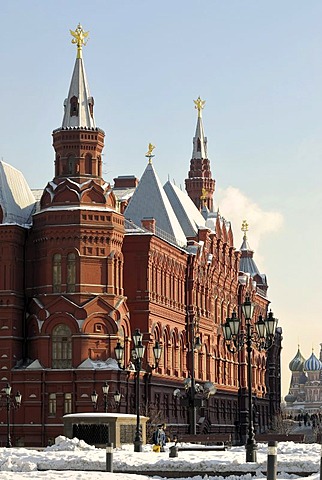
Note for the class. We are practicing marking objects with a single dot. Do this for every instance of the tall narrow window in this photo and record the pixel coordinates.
(57, 273)
(71, 164)
(71, 272)
(52, 404)
(74, 106)
(62, 347)
(88, 164)
(68, 403)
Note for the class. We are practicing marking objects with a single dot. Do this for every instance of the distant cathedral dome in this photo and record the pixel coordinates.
(289, 398)
(312, 364)
(296, 365)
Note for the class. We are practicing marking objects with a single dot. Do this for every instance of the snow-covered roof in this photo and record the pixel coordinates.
(16, 199)
(186, 211)
(124, 193)
(109, 364)
(150, 201)
(101, 415)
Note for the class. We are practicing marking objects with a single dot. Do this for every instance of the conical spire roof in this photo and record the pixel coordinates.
(150, 201)
(199, 150)
(247, 263)
(79, 104)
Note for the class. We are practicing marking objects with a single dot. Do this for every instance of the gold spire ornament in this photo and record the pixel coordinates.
(203, 196)
(199, 105)
(79, 36)
(244, 228)
(149, 154)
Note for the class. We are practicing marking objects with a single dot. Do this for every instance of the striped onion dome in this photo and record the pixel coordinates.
(312, 364)
(296, 365)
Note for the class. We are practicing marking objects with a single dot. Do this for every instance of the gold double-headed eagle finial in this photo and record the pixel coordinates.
(199, 105)
(149, 153)
(79, 36)
(203, 196)
(244, 228)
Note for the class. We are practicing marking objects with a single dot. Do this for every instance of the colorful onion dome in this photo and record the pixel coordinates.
(312, 364)
(296, 365)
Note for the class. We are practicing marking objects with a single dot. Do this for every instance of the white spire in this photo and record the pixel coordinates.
(79, 104)
(199, 140)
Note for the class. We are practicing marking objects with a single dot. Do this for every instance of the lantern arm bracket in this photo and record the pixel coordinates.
(238, 341)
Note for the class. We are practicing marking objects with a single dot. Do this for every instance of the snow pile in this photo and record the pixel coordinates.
(69, 444)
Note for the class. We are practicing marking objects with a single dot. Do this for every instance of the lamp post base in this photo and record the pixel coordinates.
(138, 445)
(251, 452)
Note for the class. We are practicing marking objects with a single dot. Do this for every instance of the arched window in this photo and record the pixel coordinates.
(57, 273)
(71, 272)
(62, 347)
(74, 106)
(88, 164)
(71, 164)
(68, 403)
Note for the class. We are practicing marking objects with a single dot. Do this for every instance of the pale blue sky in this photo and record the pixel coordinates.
(258, 65)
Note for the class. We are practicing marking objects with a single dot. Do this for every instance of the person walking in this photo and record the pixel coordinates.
(159, 437)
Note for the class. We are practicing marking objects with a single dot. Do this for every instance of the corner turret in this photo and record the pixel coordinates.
(78, 143)
(247, 262)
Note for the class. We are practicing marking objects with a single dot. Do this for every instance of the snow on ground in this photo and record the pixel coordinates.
(73, 459)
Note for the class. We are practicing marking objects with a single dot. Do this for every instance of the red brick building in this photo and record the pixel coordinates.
(88, 263)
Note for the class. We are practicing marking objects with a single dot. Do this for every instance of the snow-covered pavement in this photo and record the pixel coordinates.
(73, 459)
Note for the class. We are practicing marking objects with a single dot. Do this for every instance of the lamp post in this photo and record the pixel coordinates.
(105, 389)
(262, 336)
(10, 402)
(137, 357)
(194, 399)
(194, 345)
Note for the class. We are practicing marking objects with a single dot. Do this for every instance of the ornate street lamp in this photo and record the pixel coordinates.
(117, 398)
(94, 398)
(194, 400)
(262, 336)
(195, 345)
(137, 357)
(14, 403)
(105, 389)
